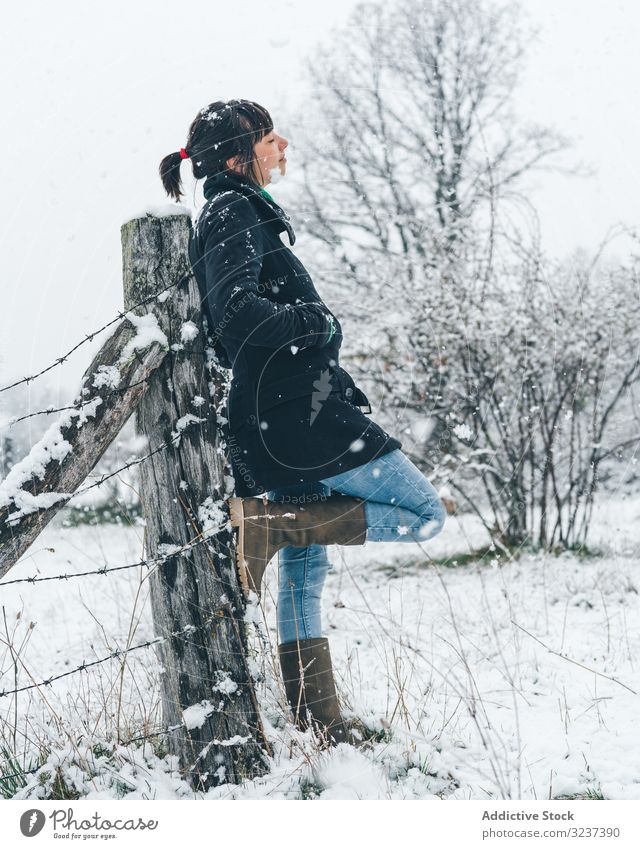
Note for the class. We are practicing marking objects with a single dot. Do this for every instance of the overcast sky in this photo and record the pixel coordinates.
(94, 100)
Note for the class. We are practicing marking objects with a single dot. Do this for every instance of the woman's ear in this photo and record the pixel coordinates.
(231, 163)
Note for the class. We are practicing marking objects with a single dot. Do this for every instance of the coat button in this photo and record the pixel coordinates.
(252, 419)
(348, 392)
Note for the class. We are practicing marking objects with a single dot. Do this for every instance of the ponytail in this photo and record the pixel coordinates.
(170, 175)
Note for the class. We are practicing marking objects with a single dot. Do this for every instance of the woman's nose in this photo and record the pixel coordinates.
(283, 142)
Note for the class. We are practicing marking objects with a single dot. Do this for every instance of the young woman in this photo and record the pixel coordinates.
(310, 468)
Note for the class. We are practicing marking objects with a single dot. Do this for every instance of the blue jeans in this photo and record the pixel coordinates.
(401, 505)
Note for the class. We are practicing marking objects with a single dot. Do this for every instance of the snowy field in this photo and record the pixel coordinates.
(510, 679)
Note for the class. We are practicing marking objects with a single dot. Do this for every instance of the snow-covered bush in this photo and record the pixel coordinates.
(528, 377)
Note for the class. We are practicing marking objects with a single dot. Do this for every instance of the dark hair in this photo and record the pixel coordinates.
(219, 131)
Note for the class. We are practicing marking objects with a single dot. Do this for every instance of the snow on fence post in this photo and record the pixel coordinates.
(208, 697)
(41, 484)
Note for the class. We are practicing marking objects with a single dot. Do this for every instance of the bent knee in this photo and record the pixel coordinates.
(434, 519)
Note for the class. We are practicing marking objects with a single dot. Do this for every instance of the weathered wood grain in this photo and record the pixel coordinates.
(182, 491)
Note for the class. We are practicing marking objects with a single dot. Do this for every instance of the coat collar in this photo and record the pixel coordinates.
(226, 180)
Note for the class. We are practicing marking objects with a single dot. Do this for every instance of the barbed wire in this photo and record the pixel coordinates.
(34, 580)
(77, 406)
(150, 561)
(83, 667)
(188, 630)
(104, 477)
(102, 394)
(107, 475)
(90, 336)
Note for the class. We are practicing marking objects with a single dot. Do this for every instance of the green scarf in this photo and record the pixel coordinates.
(265, 192)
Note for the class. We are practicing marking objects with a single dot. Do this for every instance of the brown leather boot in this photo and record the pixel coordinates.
(264, 527)
(311, 691)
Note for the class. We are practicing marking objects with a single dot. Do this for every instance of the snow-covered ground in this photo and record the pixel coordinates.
(511, 679)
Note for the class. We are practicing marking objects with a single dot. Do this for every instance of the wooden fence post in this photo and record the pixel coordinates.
(207, 691)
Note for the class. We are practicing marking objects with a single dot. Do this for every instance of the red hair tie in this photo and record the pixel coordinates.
(183, 153)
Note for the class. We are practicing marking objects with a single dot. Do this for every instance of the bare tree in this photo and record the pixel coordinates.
(414, 114)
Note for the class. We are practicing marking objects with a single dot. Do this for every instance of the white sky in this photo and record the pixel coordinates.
(95, 101)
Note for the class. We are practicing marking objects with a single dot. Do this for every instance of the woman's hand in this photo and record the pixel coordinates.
(330, 329)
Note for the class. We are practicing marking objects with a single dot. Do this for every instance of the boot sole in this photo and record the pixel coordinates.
(236, 512)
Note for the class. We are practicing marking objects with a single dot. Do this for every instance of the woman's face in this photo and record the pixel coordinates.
(269, 154)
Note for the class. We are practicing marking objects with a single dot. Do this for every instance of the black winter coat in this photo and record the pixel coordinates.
(293, 413)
